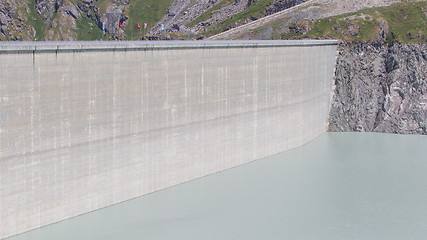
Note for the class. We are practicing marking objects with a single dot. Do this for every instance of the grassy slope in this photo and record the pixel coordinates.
(35, 20)
(206, 15)
(87, 30)
(144, 11)
(257, 10)
(139, 11)
(405, 20)
(275, 26)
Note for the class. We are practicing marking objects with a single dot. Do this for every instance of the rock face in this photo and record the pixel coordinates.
(183, 12)
(282, 5)
(13, 18)
(58, 17)
(380, 88)
(112, 17)
(64, 22)
(47, 8)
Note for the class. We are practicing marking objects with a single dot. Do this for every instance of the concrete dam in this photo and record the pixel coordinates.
(84, 125)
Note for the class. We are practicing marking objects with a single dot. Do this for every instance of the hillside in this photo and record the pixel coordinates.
(399, 22)
(349, 20)
(85, 19)
(209, 17)
(77, 19)
(362, 20)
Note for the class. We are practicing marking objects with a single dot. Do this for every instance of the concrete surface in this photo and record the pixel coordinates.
(87, 125)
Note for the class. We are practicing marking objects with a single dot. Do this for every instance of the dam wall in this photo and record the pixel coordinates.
(85, 125)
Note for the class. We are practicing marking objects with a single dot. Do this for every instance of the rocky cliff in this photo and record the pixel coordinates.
(380, 88)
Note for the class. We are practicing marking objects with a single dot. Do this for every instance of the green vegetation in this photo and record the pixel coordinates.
(206, 15)
(277, 28)
(400, 22)
(102, 5)
(270, 30)
(308, 6)
(256, 10)
(88, 30)
(404, 22)
(407, 20)
(35, 20)
(177, 36)
(144, 11)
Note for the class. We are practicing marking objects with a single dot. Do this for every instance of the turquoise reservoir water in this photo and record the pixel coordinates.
(339, 186)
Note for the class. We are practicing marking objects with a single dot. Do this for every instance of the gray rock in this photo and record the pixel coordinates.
(46, 8)
(280, 5)
(388, 96)
(122, 2)
(111, 17)
(391, 64)
(91, 12)
(89, 1)
(3, 19)
(71, 10)
(377, 66)
(3, 30)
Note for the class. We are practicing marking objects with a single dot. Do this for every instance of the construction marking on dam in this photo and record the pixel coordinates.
(85, 125)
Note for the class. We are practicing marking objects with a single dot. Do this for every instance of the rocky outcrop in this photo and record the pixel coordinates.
(282, 5)
(64, 23)
(183, 12)
(380, 88)
(309, 10)
(47, 8)
(92, 11)
(59, 18)
(7, 10)
(13, 21)
(110, 18)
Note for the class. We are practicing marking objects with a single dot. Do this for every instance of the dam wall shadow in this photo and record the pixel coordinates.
(86, 125)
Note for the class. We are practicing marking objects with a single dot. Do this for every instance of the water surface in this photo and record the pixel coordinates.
(339, 186)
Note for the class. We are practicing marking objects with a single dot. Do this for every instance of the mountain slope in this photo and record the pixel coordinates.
(293, 24)
(216, 19)
(208, 17)
(86, 19)
(401, 22)
(77, 19)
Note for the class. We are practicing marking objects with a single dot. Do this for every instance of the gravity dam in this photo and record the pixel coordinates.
(85, 125)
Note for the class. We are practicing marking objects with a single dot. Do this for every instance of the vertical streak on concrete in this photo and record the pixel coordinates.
(86, 126)
(255, 103)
